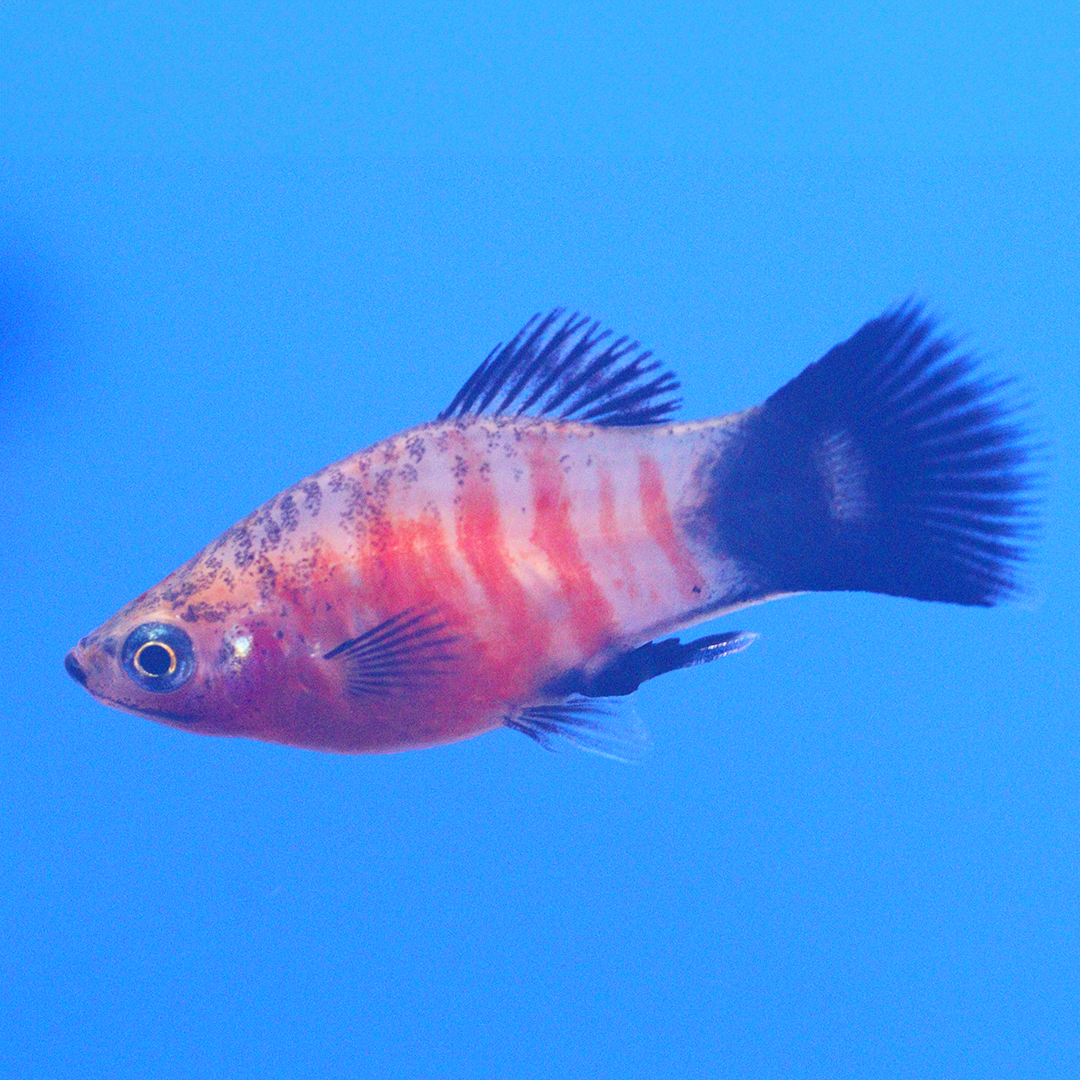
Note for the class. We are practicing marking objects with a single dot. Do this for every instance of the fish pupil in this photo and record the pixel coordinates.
(156, 659)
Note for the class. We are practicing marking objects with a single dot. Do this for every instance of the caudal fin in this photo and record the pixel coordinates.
(888, 466)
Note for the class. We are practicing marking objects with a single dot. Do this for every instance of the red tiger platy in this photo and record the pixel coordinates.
(515, 561)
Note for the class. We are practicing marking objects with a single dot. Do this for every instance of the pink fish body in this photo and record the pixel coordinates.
(514, 562)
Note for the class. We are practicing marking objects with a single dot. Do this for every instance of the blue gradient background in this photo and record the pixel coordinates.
(239, 242)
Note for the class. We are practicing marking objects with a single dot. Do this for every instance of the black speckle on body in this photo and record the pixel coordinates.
(416, 447)
(271, 530)
(290, 513)
(206, 612)
(178, 594)
(267, 578)
(272, 534)
(243, 556)
(356, 500)
(312, 497)
(382, 483)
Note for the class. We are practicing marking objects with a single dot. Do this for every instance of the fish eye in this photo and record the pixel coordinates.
(159, 657)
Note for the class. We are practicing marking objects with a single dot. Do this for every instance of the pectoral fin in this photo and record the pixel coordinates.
(397, 656)
(609, 728)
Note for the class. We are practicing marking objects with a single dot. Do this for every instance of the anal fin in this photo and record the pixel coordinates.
(626, 672)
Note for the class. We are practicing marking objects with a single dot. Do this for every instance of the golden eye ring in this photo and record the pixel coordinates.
(149, 662)
(158, 657)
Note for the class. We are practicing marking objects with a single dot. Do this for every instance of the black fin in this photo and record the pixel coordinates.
(627, 671)
(887, 466)
(557, 372)
(609, 728)
(398, 655)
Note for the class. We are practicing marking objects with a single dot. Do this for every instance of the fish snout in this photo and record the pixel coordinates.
(74, 668)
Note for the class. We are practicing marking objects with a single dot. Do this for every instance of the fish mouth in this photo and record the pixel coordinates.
(163, 714)
(152, 714)
(74, 668)
(79, 674)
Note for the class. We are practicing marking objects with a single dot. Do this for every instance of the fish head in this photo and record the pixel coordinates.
(151, 665)
(217, 657)
(206, 676)
(221, 662)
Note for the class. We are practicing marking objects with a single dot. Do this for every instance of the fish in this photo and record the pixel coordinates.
(528, 559)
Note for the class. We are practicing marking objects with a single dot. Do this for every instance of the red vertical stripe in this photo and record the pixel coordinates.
(482, 541)
(658, 522)
(591, 614)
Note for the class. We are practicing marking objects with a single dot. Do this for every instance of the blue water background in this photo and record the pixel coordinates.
(240, 242)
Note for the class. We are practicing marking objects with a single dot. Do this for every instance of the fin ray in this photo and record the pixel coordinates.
(891, 465)
(400, 654)
(601, 726)
(552, 370)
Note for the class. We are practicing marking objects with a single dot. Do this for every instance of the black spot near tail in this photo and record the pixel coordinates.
(888, 466)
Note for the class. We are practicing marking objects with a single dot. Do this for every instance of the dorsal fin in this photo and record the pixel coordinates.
(558, 371)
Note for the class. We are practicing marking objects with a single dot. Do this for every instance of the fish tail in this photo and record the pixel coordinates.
(888, 466)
